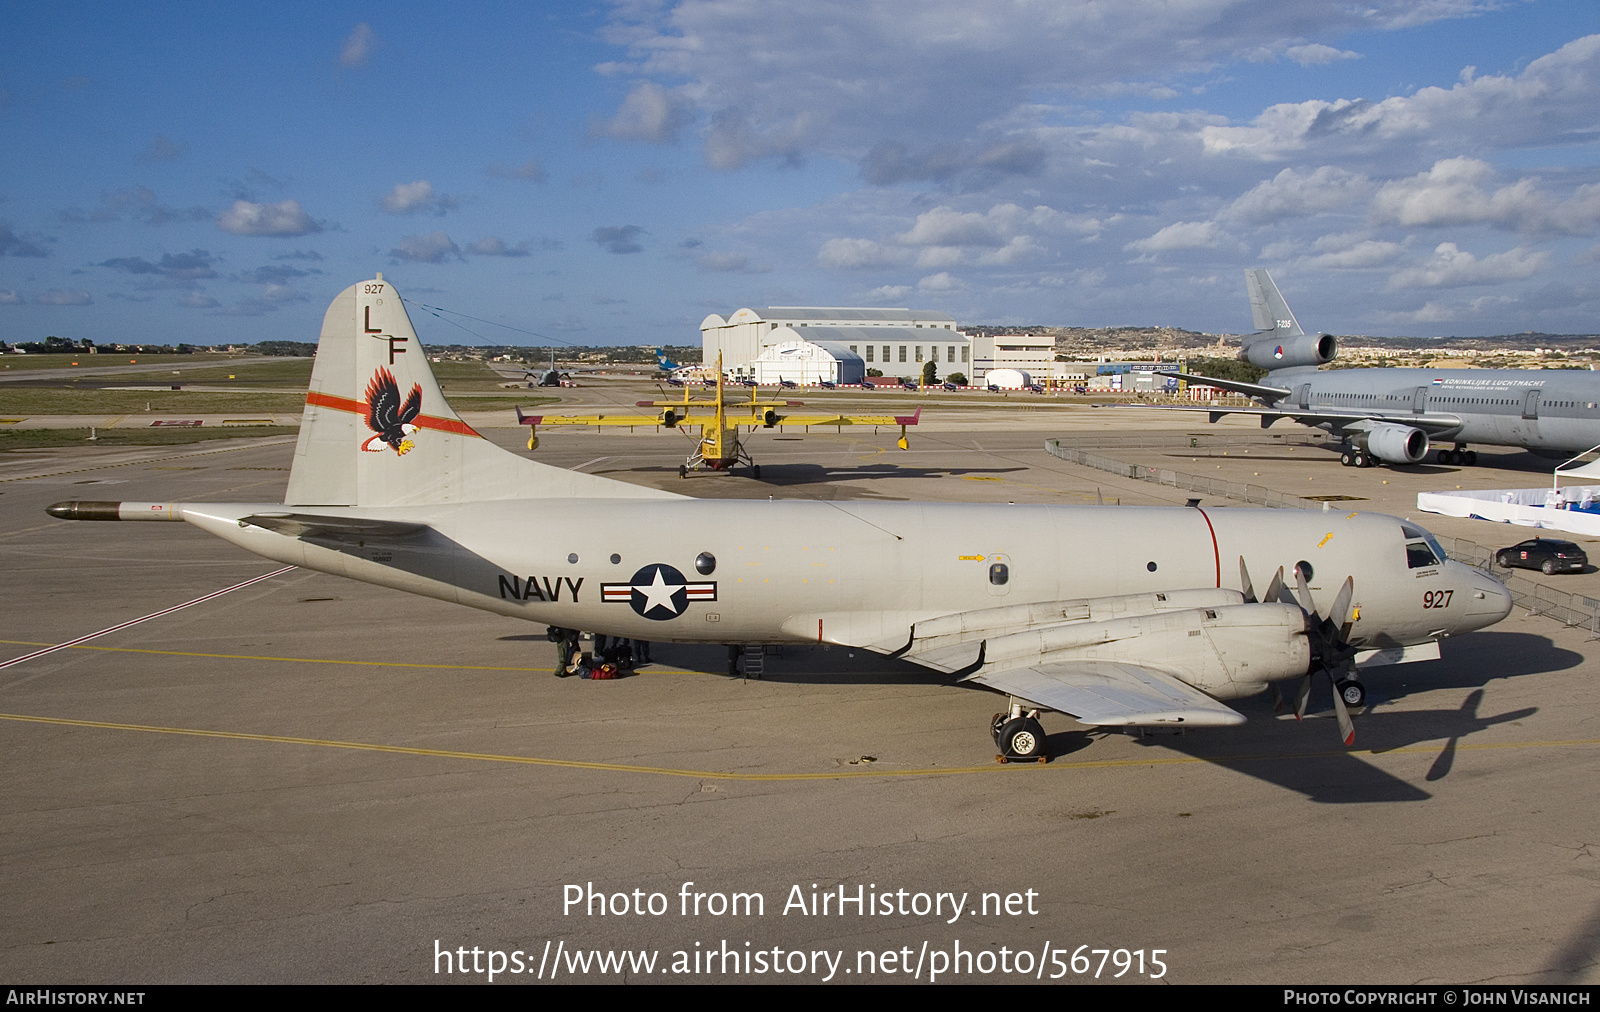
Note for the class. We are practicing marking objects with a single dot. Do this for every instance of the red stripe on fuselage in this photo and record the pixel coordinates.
(455, 425)
(1216, 553)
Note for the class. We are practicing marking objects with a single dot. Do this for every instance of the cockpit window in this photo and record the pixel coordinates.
(1420, 555)
(1422, 548)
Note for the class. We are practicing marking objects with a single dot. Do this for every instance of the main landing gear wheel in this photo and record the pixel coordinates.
(1471, 458)
(683, 470)
(1347, 458)
(1021, 739)
(1448, 458)
(755, 471)
(1352, 692)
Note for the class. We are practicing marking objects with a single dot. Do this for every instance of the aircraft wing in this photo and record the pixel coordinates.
(595, 419)
(1132, 653)
(1431, 423)
(850, 419)
(1112, 693)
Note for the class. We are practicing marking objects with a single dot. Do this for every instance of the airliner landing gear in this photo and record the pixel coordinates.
(1460, 455)
(1019, 736)
(1355, 458)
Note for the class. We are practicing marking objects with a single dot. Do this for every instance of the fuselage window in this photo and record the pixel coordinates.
(999, 574)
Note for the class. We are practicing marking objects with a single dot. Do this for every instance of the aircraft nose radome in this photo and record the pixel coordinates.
(1489, 601)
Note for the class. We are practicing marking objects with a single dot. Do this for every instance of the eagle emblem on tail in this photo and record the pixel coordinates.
(386, 416)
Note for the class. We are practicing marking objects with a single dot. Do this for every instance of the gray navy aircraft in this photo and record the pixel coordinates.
(390, 487)
(1393, 416)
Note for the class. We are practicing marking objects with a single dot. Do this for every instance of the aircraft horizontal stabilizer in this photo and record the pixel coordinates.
(1112, 694)
(1267, 393)
(300, 524)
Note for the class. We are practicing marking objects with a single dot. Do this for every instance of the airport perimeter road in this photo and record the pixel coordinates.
(312, 780)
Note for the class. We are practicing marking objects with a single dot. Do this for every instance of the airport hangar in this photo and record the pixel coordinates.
(895, 341)
(765, 345)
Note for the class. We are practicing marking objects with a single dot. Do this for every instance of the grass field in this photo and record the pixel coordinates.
(24, 401)
(8, 362)
(33, 439)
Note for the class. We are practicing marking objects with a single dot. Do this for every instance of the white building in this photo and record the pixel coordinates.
(897, 342)
(808, 363)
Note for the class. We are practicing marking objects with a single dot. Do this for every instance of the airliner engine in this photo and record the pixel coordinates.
(1396, 444)
(1291, 352)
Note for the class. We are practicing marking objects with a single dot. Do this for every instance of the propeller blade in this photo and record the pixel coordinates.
(1339, 614)
(1303, 697)
(1244, 583)
(1277, 698)
(1303, 591)
(1275, 588)
(1347, 730)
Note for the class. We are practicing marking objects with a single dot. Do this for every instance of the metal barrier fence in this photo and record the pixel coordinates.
(1538, 598)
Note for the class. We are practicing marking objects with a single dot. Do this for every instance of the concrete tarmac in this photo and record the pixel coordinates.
(313, 780)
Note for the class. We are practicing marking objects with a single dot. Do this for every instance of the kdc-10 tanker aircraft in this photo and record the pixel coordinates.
(1393, 415)
(390, 487)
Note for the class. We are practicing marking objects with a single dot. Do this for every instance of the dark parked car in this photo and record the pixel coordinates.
(951, 386)
(1544, 554)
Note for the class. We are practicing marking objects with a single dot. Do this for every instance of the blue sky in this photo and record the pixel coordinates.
(611, 173)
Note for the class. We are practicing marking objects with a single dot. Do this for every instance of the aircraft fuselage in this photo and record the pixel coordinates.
(1555, 409)
(860, 574)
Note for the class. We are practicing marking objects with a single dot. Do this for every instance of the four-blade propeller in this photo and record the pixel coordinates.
(1331, 652)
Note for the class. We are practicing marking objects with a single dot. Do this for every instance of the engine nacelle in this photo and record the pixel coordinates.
(1229, 652)
(1291, 352)
(1395, 444)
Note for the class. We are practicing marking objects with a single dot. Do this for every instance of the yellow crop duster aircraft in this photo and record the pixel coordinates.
(720, 448)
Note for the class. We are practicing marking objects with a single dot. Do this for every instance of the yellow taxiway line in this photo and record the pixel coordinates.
(298, 660)
(1430, 749)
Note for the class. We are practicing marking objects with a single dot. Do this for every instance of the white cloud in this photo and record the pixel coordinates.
(1292, 194)
(1365, 254)
(283, 293)
(941, 282)
(283, 218)
(1316, 54)
(1177, 236)
(841, 78)
(358, 47)
(856, 254)
(430, 248)
(1551, 101)
(197, 300)
(946, 237)
(412, 198)
(888, 293)
(9, 298)
(1452, 192)
(1452, 267)
(650, 113)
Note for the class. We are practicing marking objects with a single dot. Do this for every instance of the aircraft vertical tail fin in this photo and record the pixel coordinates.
(1272, 315)
(377, 431)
